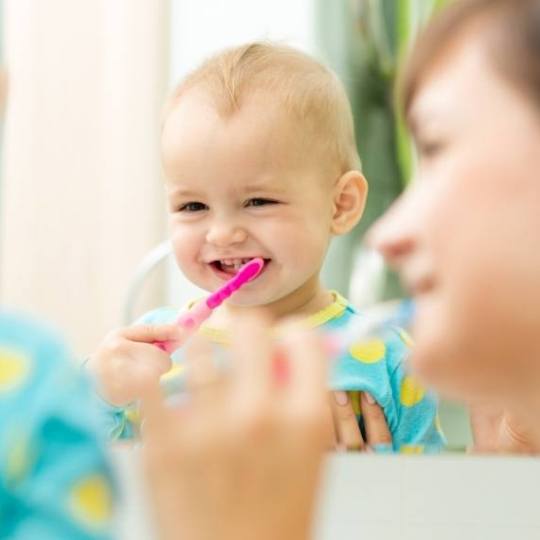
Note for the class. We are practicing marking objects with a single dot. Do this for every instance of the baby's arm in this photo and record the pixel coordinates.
(418, 429)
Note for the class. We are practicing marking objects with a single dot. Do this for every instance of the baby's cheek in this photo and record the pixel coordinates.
(300, 250)
(186, 248)
(315, 243)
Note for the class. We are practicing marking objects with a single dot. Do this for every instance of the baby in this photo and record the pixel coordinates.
(260, 160)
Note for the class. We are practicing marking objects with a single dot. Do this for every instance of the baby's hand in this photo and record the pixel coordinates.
(127, 360)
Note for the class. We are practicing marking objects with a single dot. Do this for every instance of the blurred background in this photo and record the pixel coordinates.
(81, 198)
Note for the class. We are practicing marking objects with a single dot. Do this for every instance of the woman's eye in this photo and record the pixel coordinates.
(193, 207)
(429, 149)
(260, 202)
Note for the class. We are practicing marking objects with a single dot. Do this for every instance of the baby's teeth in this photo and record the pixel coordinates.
(235, 263)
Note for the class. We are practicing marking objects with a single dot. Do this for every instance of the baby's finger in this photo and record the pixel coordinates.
(149, 358)
(150, 333)
(377, 431)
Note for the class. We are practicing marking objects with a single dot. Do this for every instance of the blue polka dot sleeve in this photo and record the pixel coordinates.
(417, 428)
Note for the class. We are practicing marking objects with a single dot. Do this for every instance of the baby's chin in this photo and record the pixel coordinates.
(252, 299)
(250, 295)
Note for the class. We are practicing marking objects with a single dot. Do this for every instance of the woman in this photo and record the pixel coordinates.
(465, 237)
(465, 241)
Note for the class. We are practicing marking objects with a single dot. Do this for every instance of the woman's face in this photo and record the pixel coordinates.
(466, 236)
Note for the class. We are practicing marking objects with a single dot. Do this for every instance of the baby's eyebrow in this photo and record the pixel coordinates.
(183, 192)
(268, 186)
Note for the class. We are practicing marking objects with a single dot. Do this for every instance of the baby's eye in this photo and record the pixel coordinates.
(260, 202)
(193, 207)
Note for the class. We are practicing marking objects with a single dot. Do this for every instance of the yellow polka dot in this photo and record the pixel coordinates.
(91, 501)
(355, 402)
(411, 449)
(369, 352)
(14, 369)
(406, 338)
(133, 415)
(18, 459)
(411, 392)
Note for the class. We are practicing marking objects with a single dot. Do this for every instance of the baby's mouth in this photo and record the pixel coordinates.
(230, 267)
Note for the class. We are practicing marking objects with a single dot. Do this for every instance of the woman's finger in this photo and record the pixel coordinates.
(152, 401)
(203, 379)
(349, 435)
(303, 383)
(331, 440)
(307, 366)
(156, 416)
(377, 431)
(251, 360)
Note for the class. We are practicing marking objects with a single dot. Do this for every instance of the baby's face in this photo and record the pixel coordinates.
(242, 187)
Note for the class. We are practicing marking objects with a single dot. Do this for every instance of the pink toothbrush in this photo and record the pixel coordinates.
(192, 320)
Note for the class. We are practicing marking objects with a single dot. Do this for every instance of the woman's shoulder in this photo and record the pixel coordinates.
(25, 342)
(24, 330)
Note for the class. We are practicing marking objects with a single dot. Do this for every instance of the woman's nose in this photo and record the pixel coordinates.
(393, 234)
(223, 233)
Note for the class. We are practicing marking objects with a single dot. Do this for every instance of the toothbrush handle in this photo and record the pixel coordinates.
(190, 321)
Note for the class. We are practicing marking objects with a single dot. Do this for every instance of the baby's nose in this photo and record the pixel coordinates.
(224, 234)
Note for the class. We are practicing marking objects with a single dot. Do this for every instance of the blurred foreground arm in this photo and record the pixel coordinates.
(243, 458)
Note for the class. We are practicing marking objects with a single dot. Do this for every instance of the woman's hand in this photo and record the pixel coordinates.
(346, 434)
(498, 431)
(242, 459)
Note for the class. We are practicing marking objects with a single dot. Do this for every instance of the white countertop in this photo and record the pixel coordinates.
(389, 497)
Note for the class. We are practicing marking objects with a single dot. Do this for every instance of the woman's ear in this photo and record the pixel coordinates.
(350, 194)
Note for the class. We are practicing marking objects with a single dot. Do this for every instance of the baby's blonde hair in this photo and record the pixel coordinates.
(311, 93)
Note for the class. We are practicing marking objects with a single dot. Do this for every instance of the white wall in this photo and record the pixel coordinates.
(82, 198)
(200, 28)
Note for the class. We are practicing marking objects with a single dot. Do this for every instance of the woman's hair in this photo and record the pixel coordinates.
(512, 33)
(304, 88)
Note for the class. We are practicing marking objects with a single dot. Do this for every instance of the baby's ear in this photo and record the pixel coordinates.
(350, 193)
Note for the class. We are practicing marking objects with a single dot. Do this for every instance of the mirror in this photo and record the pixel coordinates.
(97, 147)
(84, 157)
